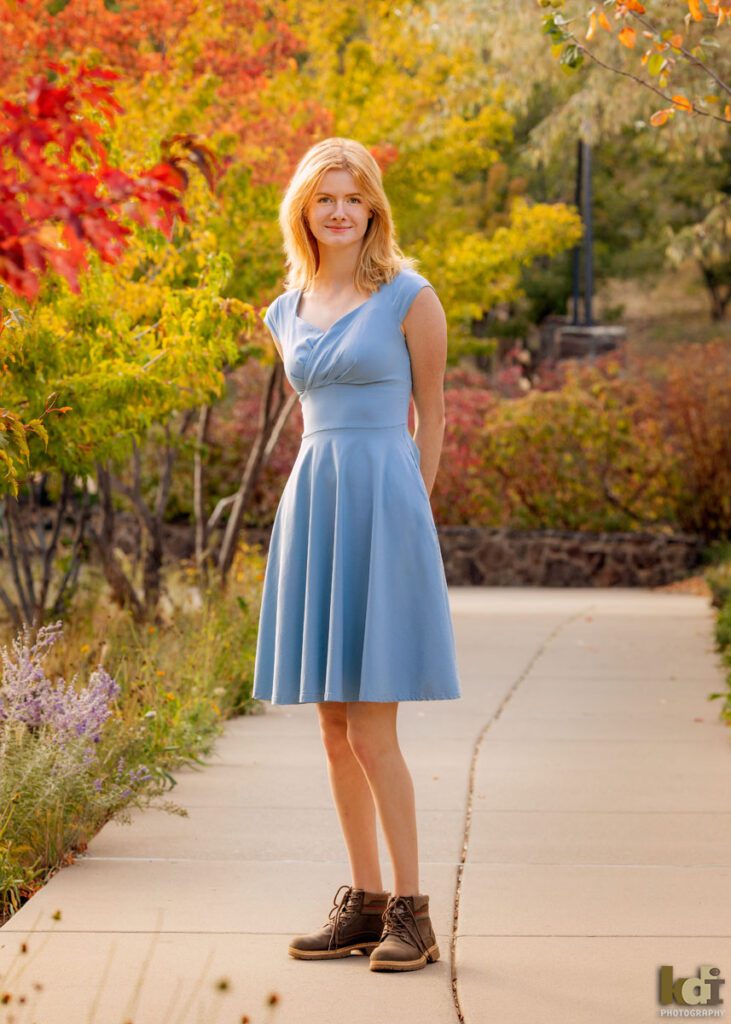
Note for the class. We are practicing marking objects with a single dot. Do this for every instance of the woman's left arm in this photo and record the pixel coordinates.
(425, 326)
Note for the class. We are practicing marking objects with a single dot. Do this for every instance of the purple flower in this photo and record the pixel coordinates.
(139, 774)
(27, 695)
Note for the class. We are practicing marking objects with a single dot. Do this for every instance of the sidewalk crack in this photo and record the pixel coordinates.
(470, 800)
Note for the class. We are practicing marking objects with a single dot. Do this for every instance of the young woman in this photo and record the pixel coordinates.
(355, 613)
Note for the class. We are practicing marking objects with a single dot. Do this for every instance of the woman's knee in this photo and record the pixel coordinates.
(334, 729)
(372, 735)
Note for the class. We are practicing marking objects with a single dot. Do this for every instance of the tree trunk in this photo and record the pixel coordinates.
(719, 290)
(33, 532)
(123, 592)
(273, 415)
(199, 511)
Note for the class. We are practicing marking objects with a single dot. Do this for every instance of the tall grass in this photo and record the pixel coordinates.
(140, 701)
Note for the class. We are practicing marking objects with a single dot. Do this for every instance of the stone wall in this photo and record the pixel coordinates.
(565, 558)
(475, 556)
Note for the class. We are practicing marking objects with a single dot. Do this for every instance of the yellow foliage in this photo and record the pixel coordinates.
(477, 272)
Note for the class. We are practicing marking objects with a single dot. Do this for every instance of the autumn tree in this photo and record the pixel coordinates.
(649, 182)
(61, 343)
(421, 97)
(677, 49)
(708, 243)
(54, 213)
(675, 56)
(178, 74)
(161, 291)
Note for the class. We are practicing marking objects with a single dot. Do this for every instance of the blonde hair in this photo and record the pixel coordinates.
(380, 258)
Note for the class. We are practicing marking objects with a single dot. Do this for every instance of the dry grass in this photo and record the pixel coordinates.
(671, 310)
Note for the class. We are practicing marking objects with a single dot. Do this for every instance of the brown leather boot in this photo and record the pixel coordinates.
(408, 941)
(353, 924)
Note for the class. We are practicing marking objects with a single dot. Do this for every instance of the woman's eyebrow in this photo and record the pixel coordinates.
(332, 193)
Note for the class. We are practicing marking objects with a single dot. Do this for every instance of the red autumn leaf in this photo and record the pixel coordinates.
(51, 212)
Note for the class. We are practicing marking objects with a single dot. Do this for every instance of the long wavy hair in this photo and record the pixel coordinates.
(380, 258)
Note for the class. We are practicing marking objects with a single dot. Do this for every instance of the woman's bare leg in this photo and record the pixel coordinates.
(353, 797)
(374, 742)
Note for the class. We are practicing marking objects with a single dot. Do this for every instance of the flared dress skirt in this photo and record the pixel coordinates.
(354, 600)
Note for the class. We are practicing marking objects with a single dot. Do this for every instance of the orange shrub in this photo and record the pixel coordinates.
(692, 390)
(611, 449)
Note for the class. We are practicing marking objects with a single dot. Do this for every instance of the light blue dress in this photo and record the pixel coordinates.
(354, 601)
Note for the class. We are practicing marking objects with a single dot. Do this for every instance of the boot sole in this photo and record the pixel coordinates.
(366, 948)
(406, 965)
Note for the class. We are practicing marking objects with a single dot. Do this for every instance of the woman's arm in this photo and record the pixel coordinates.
(425, 326)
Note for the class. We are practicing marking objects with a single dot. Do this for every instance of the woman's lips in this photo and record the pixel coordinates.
(337, 229)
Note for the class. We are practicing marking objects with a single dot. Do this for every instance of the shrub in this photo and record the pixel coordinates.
(692, 391)
(457, 496)
(595, 447)
(719, 580)
(57, 782)
(585, 457)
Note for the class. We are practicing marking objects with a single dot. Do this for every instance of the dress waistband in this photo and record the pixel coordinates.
(377, 404)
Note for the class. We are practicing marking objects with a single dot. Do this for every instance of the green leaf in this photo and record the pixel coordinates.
(655, 64)
(572, 56)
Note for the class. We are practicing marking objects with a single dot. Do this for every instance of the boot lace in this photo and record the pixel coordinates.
(398, 919)
(341, 912)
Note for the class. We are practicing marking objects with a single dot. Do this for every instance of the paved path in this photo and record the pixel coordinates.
(574, 827)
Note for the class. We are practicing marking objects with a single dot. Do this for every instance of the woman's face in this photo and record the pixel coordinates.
(337, 213)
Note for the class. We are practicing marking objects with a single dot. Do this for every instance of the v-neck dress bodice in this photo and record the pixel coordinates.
(362, 355)
(354, 601)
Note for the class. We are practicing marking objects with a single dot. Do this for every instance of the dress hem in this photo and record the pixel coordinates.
(317, 699)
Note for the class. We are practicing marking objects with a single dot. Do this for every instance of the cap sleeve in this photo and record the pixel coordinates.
(406, 286)
(271, 318)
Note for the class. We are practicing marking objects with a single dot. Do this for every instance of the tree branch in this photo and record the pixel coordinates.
(641, 81)
(690, 57)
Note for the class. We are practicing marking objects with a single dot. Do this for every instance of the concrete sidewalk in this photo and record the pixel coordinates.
(574, 815)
